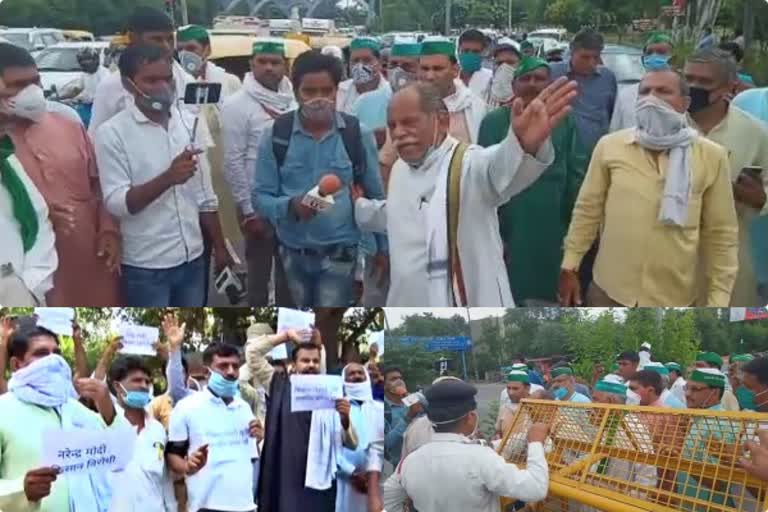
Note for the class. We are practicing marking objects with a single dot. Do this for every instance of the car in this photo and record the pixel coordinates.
(58, 64)
(33, 39)
(545, 44)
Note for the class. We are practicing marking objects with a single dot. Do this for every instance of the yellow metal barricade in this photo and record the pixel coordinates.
(618, 458)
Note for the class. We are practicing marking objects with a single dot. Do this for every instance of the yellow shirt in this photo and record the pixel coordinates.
(746, 141)
(641, 261)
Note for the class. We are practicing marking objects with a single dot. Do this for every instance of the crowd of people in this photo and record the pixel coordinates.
(221, 437)
(437, 438)
(436, 160)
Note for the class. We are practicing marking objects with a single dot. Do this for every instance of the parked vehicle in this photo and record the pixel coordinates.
(58, 64)
(33, 39)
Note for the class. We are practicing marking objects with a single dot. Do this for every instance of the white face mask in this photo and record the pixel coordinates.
(501, 84)
(29, 103)
(657, 118)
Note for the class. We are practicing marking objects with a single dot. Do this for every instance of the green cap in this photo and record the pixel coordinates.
(361, 43)
(611, 387)
(192, 33)
(709, 357)
(561, 370)
(268, 45)
(526, 45)
(656, 367)
(709, 376)
(405, 47)
(672, 366)
(741, 358)
(659, 37)
(438, 45)
(529, 64)
(518, 376)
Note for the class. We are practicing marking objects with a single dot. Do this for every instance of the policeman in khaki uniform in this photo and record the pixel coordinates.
(453, 472)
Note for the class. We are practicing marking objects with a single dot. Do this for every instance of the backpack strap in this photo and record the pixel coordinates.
(453, 198)
(352, 137)
(281, 136)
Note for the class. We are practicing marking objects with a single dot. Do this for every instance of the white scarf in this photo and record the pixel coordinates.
(46, 382)
(324, 449)
(360, 391)
(661, 128)
(280, 101)
(459, 100)
(438, 273)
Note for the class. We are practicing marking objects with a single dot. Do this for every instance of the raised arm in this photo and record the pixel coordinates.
(174, 371)
(81, 358)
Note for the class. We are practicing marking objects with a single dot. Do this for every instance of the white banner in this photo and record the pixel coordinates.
(312, 392)
(138, 339)
(79, 450)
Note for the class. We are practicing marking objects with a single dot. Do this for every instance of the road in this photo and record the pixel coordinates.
(487, 393)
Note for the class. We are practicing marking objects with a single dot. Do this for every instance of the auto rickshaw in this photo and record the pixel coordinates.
(78, 35)
(233, 52)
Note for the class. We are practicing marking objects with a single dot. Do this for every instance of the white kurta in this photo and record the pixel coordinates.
(478, 82)
(678, 389)
(347, 94)
(490, 177)
(471, 105)
(25, 277)
(624, 109)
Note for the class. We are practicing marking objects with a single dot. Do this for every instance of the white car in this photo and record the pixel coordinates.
(32, 39)
(58, 64)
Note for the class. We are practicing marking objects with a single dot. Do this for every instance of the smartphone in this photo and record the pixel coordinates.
(202, 93)
(753, 171)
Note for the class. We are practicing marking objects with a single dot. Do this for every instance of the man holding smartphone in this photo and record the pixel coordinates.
(712, 75)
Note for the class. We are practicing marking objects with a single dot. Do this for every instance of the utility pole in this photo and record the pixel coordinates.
(447, 18)
(509, 17)
(184, 13)
(749, 23)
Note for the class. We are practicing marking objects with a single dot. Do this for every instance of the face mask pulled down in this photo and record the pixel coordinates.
(28, 104)
(415, 164)
(160, 101)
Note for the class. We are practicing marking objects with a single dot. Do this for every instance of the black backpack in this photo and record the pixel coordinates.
(350, 135)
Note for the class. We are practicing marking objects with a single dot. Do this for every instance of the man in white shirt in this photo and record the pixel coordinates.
(28, 256)
(453, 472)
(428, 268)
(472, 45)
(218, 424)
(151, 486)
(83, 90)
(156, 180)
(365, 62)
(676, 380)
(266, 94)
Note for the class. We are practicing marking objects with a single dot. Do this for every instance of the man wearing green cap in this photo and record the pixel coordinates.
(28, 256)
(562, 385)
(266, 94)
(518, 388)
(676, 380)
(534, 250)
(403, 62)
(527, 49)
(438, 66)
(505, 400)
(194, 49)
(365, 70)
(656, 54)
(714, 361)
(744, 395)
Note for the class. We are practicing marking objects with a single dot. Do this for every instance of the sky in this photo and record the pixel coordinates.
(396, 316)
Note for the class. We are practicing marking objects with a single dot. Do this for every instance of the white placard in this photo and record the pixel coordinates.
(288, 318)
(314, 200)
(138, 339)
(228, 443)
(58, 320)
(80, 450)
(377, 338)
(312, 392)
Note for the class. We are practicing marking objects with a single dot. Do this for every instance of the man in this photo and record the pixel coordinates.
(466, 268)
(211, 438)
(438, 66)
(365, 72)
(158, 183)
(656, 55)
(593, 107)
(266, 94)
(28, 258)
(676, 381)
(499, 91)
(367, 416)
(534, 251)
(666, 397)
(711, 360)
(151, 486)
(652, 227)
(472, 46)
(712, 75)
(147, 26)
(628, 363)
(756, 380)
(41, 398)
(707, 39)
(504, 397)
(57, 156)
(649, 387)
(518, 388)
(84, 89)
(296, 465)
(318, 250)
(527, 48)
(744, 395)
(397, 416)
(194, 46)
(562, 386)
(471, 476)
(403, 62)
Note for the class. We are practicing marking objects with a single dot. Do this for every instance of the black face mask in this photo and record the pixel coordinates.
(699, 99)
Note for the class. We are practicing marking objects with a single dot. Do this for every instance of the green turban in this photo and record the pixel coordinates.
(611, 387)
(270, 46)
(192, 33)
(518, 376)
(438, 45)
(672, 366)
(710, 357)
(361, 43)
(741, 358)
(659, 37)
(709, 376)
(529, 64)
(561, 370)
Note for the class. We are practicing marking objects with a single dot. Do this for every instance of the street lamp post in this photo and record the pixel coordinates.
(447, 18)
(509, 17)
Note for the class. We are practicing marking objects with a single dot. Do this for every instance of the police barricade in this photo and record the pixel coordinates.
(618, 458)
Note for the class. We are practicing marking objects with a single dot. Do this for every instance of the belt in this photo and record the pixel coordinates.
(329, 250)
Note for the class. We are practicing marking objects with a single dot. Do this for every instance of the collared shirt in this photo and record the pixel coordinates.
(226, 481)
(347, 94)
(132, 150)
(624, 110)
(754, 102)
(306, 161)
(593, 107)
(641, 261)
(395, 425)
(576, 398)
(145, 484)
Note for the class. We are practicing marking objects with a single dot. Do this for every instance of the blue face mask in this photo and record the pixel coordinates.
(656, 61)
(221, 386)
(136, 399)
(560, 393)
(470, 62)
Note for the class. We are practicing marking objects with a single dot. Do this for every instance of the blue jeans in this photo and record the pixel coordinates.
(182, 286)
(322, 278)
